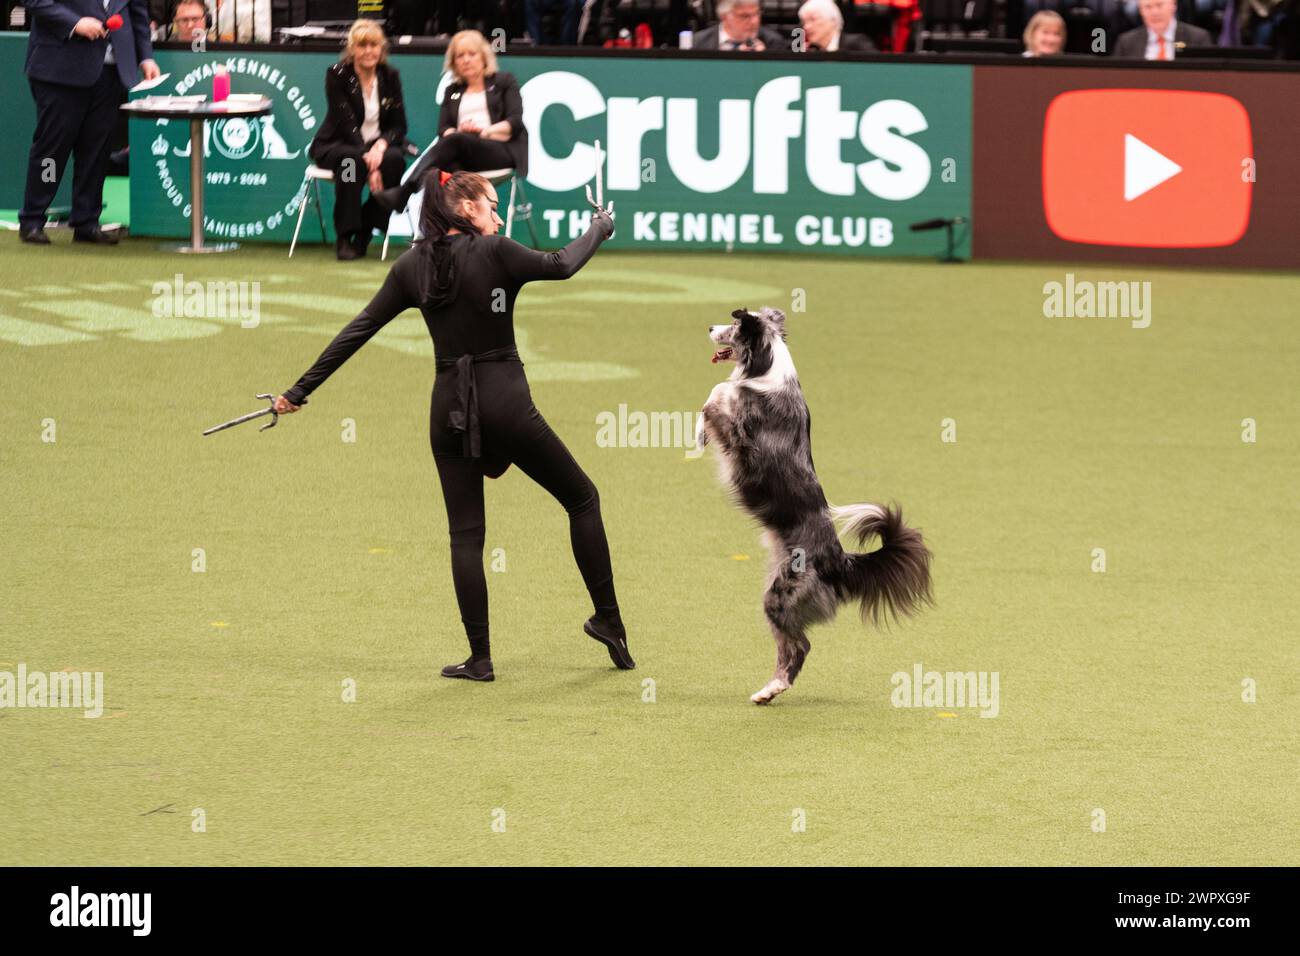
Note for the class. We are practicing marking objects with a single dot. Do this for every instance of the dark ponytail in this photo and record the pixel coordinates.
(439, 214)
(443, 194)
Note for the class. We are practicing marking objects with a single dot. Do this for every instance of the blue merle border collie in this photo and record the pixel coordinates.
(759, 425)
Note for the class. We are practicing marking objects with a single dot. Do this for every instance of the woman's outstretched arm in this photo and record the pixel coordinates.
(525, 265)
(394, 297)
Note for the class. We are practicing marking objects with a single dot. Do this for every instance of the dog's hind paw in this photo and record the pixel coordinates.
(770, 690)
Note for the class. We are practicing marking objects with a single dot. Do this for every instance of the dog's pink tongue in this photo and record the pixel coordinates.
(720, 355)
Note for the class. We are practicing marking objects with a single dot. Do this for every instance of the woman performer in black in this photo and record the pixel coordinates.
(465, 278)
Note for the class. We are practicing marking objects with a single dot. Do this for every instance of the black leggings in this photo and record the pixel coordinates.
(459, 151)
(513, 430)
(350, 215)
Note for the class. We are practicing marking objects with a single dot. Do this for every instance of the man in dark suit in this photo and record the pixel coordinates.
(79, 72)
(1160, 35)
(740, 27)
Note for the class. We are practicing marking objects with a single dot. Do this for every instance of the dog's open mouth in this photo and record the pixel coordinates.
(722, 354)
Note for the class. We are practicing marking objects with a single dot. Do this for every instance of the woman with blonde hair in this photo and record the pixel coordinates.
(481, 123)
(362, 137)
(1045, 34)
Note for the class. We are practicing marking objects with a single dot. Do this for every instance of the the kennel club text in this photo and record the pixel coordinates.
(753, 229)
(733, 229)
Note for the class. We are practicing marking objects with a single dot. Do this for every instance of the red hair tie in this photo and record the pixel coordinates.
(443, 176)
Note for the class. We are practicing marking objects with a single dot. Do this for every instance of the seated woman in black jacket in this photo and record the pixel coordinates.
(362, 137)
(481, 123)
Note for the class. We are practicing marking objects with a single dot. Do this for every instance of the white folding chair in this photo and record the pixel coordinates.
(311, 181)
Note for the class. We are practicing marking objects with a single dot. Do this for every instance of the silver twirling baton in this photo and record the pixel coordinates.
(269, 410)
(598, 202)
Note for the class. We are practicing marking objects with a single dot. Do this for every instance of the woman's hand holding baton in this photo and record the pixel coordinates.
(597, 202)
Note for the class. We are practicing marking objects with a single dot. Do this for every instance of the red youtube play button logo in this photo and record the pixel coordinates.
(1160, 168)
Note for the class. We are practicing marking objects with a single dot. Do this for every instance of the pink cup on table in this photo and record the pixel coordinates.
(220, 85)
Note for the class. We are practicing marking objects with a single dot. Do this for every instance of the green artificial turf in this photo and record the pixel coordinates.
(327, 561)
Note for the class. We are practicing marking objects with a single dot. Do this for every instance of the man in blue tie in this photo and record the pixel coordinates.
(79, 72)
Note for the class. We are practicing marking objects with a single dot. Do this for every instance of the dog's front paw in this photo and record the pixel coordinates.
(701, 433)
(719, 394)
(769, 691)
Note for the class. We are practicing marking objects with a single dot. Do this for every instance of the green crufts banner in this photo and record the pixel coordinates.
(778, 155)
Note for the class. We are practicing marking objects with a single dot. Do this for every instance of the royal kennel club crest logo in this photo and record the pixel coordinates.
(238, 138)
(253, 165)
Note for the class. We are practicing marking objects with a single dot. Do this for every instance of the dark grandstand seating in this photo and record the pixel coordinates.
(942, 22)
(1082, 20)
(957, 17)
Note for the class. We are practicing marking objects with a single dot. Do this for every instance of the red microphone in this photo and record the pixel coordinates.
(114, 22)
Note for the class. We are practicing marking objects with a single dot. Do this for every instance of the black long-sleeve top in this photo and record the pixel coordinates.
(346, 109)
(490, 272)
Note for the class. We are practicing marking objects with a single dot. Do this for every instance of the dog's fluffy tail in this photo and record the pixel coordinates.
(893, 581)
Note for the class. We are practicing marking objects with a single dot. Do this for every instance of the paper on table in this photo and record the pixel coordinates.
(150, 84)
(177, 101)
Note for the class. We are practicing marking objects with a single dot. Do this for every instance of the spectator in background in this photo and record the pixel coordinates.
(570, 11)
(739, 27)
(482, 120)
(362, 136)
(1260, 22)
(1044, 34)
(1160, 34)
(189, 21)
(1203, 9)
(823, 29)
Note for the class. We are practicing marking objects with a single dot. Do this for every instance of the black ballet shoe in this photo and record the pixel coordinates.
(480, 670)
(615, 641)
(394, 199)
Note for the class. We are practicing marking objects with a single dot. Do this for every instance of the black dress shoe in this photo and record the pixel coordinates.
(344, 250)
(480, 670)
(96, 235)
(36, 236)
(614, 639)
(360, 242)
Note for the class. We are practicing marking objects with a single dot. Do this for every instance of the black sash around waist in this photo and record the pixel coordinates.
(464, 417)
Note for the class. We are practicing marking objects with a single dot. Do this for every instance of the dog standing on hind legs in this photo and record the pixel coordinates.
(759, 425)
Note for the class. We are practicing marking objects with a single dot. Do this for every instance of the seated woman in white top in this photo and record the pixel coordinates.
(481, 123)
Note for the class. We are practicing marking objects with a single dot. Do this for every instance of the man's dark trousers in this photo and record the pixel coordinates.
(77, 120)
